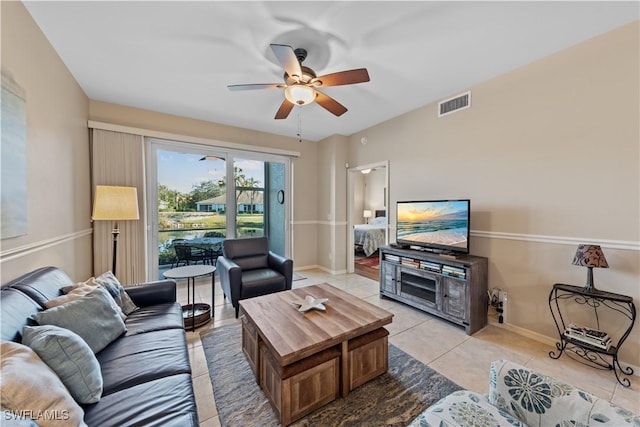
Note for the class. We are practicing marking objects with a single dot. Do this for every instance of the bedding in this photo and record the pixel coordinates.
(370, 236)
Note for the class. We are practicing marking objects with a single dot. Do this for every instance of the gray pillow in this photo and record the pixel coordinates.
(31, 387)
(69, 357)
(112, 284)
(92, 317)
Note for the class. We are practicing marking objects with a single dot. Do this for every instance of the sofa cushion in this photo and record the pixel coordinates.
(42, 284)
(465, 408)
(164, 402)
(29, 386)
(92, 317)
(155, 318)
(541, 400)
(135, 359)
(16, 309)
(71, 359)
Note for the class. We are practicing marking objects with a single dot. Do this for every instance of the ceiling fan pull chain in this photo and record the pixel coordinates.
(299, 124)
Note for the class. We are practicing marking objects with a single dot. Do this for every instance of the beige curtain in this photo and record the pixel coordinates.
(118, 159)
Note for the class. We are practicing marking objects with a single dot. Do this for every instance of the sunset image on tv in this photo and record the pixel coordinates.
(441, 223)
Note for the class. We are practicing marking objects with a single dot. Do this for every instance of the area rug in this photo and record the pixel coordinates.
(373, 262)
(297, 277)
(392, 399)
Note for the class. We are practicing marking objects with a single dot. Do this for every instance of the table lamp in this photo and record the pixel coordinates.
(366, 214)
(115, 204)
(590, 256)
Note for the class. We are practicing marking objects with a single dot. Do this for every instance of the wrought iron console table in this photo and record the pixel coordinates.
(590, 354)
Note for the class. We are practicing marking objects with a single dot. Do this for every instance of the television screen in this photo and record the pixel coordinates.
(441, 225)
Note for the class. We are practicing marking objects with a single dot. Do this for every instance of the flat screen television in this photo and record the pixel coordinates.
(437, 225)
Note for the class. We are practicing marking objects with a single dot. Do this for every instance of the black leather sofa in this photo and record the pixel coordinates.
(146, 372)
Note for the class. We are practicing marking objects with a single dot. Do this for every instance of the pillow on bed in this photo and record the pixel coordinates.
(381, 220)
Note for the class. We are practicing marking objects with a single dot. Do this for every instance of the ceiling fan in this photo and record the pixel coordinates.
(301, 83)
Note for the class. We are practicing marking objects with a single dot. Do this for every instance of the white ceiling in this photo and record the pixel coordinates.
(178, 57)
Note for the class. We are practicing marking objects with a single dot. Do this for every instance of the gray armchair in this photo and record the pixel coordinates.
(249, 269)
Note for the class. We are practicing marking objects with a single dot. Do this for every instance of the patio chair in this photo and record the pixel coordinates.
(187, 254)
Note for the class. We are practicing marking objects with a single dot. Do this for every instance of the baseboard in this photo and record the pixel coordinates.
(320, 267)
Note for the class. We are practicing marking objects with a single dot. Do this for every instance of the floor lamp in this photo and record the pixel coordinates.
(115, 204)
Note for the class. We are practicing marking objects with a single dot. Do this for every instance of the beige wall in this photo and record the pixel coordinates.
(331, 198)
(549, 156)
(58, 189)
(374, 183)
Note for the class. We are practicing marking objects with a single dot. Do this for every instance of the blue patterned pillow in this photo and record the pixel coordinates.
(70, 358)
(91, 316)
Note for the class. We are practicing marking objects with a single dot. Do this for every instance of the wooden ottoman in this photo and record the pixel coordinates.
(299, 389)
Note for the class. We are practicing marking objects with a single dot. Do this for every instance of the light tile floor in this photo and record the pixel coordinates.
(437, 343)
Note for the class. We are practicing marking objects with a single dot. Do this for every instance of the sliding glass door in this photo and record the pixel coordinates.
(199, 195)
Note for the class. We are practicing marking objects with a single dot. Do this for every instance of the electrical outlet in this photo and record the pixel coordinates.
(504, 300)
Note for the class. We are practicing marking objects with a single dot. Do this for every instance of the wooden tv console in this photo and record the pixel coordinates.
(454, 289)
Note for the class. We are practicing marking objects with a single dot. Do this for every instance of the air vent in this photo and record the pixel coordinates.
(451, 105)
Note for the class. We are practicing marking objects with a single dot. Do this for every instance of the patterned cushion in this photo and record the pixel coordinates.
(541, 400)
(465, 409)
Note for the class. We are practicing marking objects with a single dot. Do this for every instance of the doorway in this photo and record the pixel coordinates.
(367, 214)
(199, 195)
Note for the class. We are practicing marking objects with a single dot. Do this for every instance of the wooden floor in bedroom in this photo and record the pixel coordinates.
(363, 266)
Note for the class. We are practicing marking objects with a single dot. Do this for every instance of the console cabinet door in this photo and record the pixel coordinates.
(419, 286)
(454, 297)
(388, 277)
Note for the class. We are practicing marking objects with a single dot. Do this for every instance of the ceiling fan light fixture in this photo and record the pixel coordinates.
(300, 94)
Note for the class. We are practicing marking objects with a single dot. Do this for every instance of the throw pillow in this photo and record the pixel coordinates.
(78, 290)
(29, 388)
(111, 283)
(14, 419)
(91, 316)
(70, 358)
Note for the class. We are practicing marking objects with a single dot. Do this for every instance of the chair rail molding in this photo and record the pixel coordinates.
(628, 245)
(20, 251)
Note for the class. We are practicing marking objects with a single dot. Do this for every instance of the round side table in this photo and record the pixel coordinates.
(194, 315)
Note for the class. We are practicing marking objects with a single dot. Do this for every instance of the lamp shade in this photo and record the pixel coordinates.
(300, 94)
(115, 203)
(367, 214)
(590, 256)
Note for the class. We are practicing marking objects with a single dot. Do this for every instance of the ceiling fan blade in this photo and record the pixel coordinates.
(256, 86)
(287, 58)
(330, 104)
(349, 77)
(284, 110)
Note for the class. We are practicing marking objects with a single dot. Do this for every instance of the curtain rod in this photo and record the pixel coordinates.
(185, 138)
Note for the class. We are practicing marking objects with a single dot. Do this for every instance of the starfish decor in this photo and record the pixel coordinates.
(310, 302)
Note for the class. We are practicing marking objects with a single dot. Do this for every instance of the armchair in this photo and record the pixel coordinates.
(249, 269)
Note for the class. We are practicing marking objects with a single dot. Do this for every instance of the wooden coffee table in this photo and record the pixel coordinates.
(303, 361)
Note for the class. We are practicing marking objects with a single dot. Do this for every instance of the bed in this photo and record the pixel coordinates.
(369, 237)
